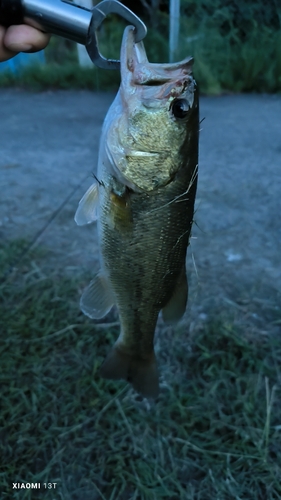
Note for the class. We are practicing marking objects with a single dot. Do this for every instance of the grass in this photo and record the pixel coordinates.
(55, 76)
(222, 65)
(214, 433)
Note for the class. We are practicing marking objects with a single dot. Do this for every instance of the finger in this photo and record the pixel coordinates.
(4, 52)
(25, 38)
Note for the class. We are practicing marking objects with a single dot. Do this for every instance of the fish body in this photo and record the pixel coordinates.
(144, 205)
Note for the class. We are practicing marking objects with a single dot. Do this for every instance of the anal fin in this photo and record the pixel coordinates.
(175, 308)
(97, 299)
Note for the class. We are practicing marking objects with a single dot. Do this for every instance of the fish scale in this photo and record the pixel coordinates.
(141, 272)
(147, 173)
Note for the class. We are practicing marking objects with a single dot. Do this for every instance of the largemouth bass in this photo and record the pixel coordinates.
(143, 201)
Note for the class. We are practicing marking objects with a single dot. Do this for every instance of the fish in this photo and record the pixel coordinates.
(143, 201)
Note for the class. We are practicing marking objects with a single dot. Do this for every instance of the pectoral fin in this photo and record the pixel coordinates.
(97, 299)
(175, 308)
(87, 208)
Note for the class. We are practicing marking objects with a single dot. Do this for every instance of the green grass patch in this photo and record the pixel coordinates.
(61, 76)
(223, 63)
(214, 433)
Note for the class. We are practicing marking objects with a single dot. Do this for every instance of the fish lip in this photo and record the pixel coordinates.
(131, 52)
(137, 70)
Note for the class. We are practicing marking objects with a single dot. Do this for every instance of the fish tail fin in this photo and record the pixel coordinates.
(142, 374)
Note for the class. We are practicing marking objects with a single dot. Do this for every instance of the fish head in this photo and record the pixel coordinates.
(154, 121)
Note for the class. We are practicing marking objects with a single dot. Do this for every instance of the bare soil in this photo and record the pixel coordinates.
(49, 145)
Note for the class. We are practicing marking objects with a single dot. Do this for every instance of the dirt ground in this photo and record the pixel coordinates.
(49, 146)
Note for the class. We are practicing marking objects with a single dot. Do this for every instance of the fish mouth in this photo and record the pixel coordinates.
(137, 70)
(144, 100)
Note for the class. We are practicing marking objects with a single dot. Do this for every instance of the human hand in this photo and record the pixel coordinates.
(21, 38)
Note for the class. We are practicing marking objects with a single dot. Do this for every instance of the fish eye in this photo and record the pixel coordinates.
(180, 108)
